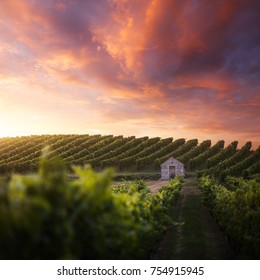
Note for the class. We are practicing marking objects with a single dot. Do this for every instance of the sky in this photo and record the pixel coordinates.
(167, 68)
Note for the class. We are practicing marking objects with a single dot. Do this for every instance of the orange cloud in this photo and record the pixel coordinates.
(170, 66)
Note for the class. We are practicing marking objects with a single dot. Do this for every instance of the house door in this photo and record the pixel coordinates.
(172, 171)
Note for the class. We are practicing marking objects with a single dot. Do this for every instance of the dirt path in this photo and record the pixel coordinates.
(195, 235)
(154, 186)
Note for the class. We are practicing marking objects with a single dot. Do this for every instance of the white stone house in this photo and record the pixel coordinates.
(170, 168)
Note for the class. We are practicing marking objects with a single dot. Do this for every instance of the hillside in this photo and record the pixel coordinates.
(91, 217)
(21, 154)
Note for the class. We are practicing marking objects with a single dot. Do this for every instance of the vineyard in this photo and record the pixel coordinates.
(21, 154)
(47, 216)
(236, 207)
(46, 213)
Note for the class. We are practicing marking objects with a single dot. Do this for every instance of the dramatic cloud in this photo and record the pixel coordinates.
(181, 68)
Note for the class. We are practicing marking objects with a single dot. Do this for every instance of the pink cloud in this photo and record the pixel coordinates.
(189, 65)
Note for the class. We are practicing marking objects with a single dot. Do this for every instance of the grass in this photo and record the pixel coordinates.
(192, 240)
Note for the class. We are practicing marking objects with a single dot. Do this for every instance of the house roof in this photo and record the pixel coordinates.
(172, 161)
